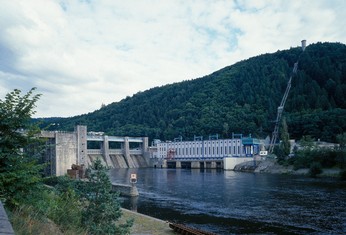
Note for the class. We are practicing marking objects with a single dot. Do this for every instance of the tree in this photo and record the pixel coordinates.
(102, 207)
(307, 142)
(285, 139)
(315, 169)
(19, 171)
(285, 147)
(341, 138)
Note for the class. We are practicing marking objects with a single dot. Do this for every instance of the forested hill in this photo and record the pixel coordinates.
(242, 98)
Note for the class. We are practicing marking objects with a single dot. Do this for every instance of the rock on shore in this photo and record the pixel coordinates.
(271, 166)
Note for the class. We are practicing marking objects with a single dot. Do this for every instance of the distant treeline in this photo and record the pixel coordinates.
(242, 98)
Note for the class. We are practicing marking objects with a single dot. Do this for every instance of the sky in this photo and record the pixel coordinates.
(83, 54)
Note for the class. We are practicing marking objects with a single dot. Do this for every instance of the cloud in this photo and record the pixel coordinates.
(80, 54)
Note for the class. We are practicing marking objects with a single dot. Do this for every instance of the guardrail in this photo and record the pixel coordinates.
(113, 151)
(114, 138)
(196, 158)
(94, 151)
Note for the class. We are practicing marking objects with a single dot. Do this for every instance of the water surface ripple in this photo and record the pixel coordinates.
(228, 202)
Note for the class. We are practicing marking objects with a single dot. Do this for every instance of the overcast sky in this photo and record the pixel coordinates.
(82, 54)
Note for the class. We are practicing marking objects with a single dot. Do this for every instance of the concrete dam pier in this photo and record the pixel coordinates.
(81, 147)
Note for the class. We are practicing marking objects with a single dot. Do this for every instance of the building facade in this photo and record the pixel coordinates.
(208, 149)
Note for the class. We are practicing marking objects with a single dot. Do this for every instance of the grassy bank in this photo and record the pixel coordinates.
(26, 222)
(144, 224)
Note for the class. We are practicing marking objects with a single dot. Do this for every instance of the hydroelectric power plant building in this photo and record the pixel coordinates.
(80, 147)
(212, 153)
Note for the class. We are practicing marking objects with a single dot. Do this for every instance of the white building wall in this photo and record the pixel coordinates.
(230, 162)
(199, 149)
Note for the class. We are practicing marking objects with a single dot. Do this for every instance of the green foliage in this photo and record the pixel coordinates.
(26, 220)
(245, 96)
(315, 169)
(285, 144)
(21, 185)
(327, 158)
(62, 207)
(343, 175)
(48, 211)
(19, 171)
(307, 142)
(102, 207)
(302, 159)
(341, 138)
(283, 150)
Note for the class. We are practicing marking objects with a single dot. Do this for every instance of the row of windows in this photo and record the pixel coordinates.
(201, 148)
(208, 150)
(199, 151)
(200, 143)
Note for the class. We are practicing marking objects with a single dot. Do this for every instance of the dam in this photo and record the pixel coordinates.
(80, 147)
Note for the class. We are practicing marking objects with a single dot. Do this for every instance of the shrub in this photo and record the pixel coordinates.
(315, 169)
(102, 210)
(343, 175)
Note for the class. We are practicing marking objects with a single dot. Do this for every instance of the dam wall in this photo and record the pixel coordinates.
(119, 160)
(81, 148)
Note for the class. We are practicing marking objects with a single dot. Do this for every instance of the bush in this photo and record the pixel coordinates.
(343, 175)
(102, 209)
(26, 220)
(315, 169)
(48, 211)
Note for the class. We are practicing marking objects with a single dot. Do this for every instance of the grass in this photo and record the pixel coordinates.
(146, 225)
(25, 222)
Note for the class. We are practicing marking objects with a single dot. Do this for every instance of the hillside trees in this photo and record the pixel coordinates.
(245, 96)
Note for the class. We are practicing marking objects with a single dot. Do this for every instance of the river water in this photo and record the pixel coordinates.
(227, 202)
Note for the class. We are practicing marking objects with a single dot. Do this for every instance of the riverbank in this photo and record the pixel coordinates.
(146, 225)
(272, 167)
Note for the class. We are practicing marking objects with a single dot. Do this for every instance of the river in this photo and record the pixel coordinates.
(227, 202)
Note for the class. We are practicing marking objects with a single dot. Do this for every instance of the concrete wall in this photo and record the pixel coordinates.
(119, 160)
(66, 152)
(81, 135)
(230, 162)
(66, 148)
(125, 190)
(5, 225)
(195, 165)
